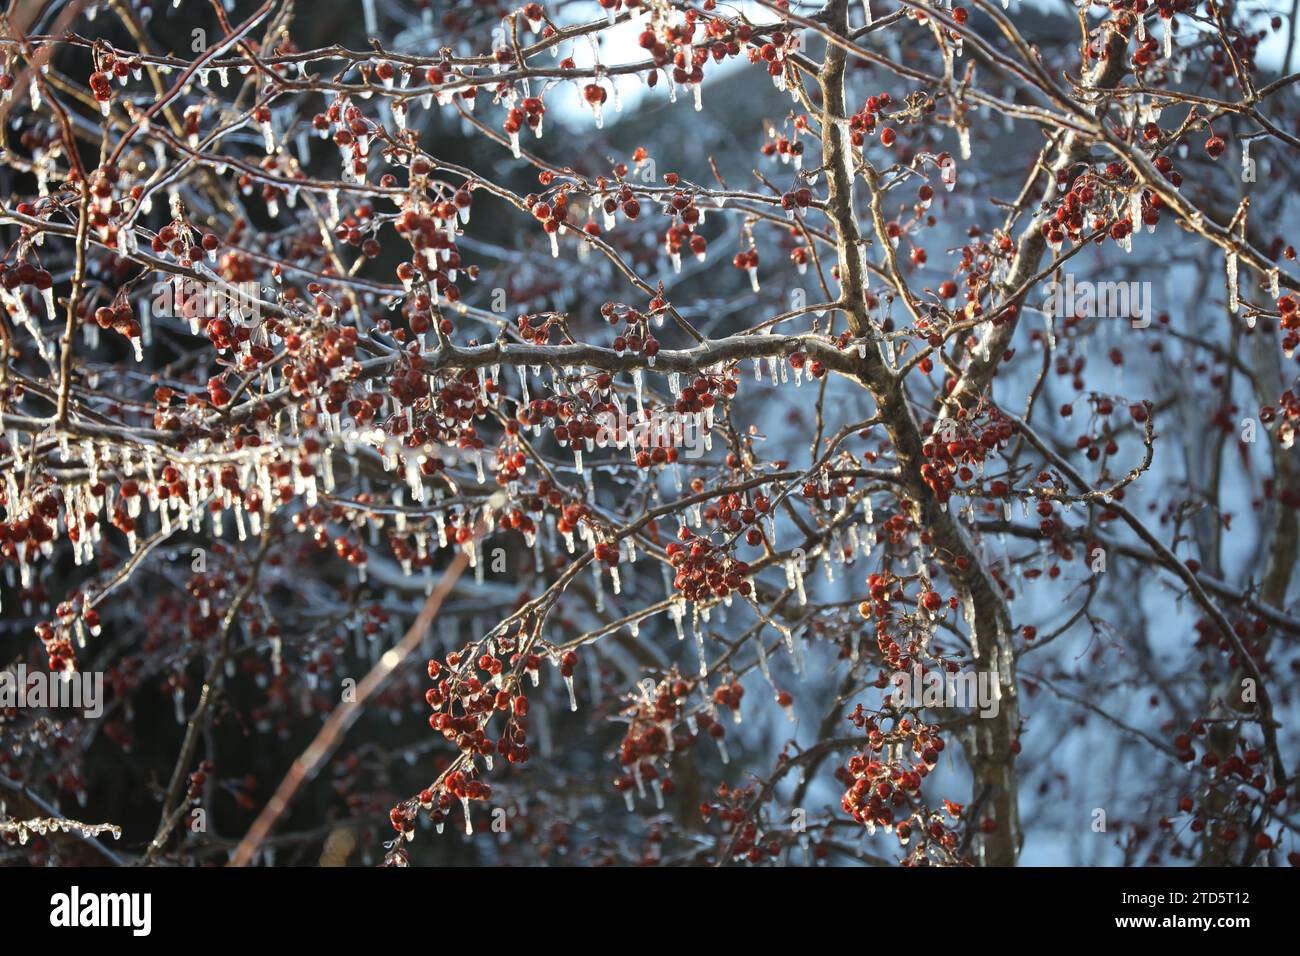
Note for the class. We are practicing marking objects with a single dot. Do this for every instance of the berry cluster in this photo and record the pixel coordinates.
(705, 572)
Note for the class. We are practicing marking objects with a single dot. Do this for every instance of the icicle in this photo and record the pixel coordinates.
(1230, 261)
(699, 646)
(573, 700)
(796, 572)
(947, 175)
(677, 611)
(599, 586)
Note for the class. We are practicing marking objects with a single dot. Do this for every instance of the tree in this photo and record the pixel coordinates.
(322, 359)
